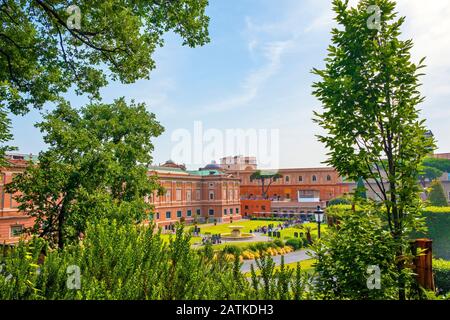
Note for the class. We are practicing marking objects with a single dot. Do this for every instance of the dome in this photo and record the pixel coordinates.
(212, 166)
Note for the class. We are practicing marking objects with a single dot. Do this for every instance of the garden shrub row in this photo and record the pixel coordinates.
(253, 251)
(441, 270)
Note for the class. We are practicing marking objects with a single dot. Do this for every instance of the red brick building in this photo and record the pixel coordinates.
(12, 221)
(299, 191)
(206, 195)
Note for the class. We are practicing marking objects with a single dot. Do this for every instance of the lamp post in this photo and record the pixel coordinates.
(318, 214)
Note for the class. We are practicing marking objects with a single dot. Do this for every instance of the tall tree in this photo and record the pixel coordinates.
(97, 160)
(47, 47)
(264, 177)
(369, 90)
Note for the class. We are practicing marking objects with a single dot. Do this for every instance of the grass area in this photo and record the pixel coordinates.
(289, 232)
(305, 265)
(247, 224)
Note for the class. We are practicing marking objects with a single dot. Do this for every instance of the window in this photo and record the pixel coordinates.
(237, 210)
(189, 195)
(178, 195)
(314, 178)
(168, 196)
(16, 230)
(211, 195)
(211, 184)
(157, 216)
(328, 178)
(300, 178)
(198, 194)
(225, 212)
(199, 212)
(231, 210)
(151, 216)
(189, 213)
(286, 178)
(211, 212)
(168, 214)
(263, 208)
(179, 214)
(246, 207)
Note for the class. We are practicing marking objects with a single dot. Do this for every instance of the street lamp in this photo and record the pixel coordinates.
(319, 217)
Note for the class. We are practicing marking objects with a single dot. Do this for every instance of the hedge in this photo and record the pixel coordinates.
(437, 220)
(441, 270)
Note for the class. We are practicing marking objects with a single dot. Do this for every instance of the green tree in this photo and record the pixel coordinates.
(264, 177)
(97, 161)
(370, 92)
(48, 47)
(430, 174)
(345, 254)
(437, 196)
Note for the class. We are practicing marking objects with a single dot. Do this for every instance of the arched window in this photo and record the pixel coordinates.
(287, 178)
(314, 178)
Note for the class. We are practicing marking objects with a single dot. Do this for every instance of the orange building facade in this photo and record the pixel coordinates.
(298, 191)
(12, 221)
(208, 195)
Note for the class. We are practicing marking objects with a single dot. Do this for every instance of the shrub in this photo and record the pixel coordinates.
(441, 270)
(438, 223)
(295, 243)
(437, 196)
(234, 250)
(278, 243)
(345, 253)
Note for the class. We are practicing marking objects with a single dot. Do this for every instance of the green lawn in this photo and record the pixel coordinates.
(306, 266)
(289, 232)
(247, 224)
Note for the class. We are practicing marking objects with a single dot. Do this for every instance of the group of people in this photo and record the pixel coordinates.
(214, 239)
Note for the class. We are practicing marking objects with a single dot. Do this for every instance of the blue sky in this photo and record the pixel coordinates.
(255, 74)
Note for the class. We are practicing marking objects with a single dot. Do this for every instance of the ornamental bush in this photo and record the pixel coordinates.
(441, 270)
(130, 262)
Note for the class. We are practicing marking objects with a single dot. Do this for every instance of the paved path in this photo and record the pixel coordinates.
(295, 256)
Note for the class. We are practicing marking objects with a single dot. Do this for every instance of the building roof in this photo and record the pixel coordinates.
(205, 172)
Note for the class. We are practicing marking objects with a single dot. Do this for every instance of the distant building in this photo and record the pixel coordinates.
(298, 192)
(238, 163)
(208, 195)
(12, 221)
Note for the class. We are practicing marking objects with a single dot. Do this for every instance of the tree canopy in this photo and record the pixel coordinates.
(97, 160)
(264, 176)
(369, 90)
(49, 47)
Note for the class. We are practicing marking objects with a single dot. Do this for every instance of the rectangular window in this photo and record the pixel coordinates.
(237, 210)
(199, 212)
(188, 195)
(189, 213)
(179, 214)
(168, 215)
(178, 198)
(157, 216)
(225, 212)
(198, 195)
(16, 230)
(211, 212)
(246, 207)
(168, 196)
(211, 195)
(231, 211)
